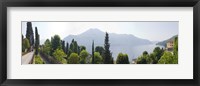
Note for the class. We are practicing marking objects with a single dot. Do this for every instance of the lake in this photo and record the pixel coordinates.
(133, 52)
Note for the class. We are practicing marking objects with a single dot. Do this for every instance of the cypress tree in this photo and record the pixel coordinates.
(36, 41)
(93, 52)
(63, 46)
(67, 47)
(107, 54)
(75, 47)
(29, 33)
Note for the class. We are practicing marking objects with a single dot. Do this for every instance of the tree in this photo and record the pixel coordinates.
(23, 47)
(175, 52)
(73, 58)
(71, 47)
(93, 52)
(107, 54)
(26, 43)
(63, 46)
(122, 59)
(83, 55)
(36, 41)
(158, 53)
(153, 58)
(67, 48)
(47, 47)
(55, 42)
(82, 48)
(59, 55)
(167, 58)
(126, 59)
(145, 53)
(100, 49)
(74, 48)
(29, 33)
(97, 58)
(143, 59)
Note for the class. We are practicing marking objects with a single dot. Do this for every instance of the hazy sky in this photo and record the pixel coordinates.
(153, 31)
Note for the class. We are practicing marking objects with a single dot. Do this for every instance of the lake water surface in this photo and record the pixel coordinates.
(133, 52)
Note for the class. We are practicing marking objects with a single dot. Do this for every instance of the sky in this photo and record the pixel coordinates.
(153, 31)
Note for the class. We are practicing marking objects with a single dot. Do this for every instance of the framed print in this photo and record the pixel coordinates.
(129, 42)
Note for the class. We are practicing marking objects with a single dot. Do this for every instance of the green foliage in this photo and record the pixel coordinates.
(152, 58)
(167, 58)
(145, 58)
(47, 47)
(122, 59)
(67, 48)
(145, 53)
(38, 60)
(73, 58)
(59, 54)
(97, 58)
(26, 43)
(74, 48)
(36, 41)
(100, 49)
(158, 53)
(142, 59)
(63, 46)
(83, 55)
(107, 54)
(55, 42)
(175, 59)
(23, 47)
(29, 33)
(82, 48)
(93, 52)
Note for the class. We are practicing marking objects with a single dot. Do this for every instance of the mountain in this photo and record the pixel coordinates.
(118, 42)
(163, 43)
(98, 36)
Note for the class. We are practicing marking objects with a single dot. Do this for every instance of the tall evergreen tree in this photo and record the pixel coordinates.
(107, 54)
(75, 47)
(23, 48)
(63, 46)
(93, 52)
(51, 51)
(36, 40)
(29, 33)
(67, 48)
(71, 47)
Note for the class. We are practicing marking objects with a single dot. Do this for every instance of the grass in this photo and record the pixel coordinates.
(38, 60)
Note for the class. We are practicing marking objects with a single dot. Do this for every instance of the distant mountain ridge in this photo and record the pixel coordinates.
(118, 42)
(98, 36)
(163, 43)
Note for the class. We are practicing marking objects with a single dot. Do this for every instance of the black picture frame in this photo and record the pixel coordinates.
(98, 3)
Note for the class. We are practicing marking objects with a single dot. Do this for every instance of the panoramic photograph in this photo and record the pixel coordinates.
(103, 42)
